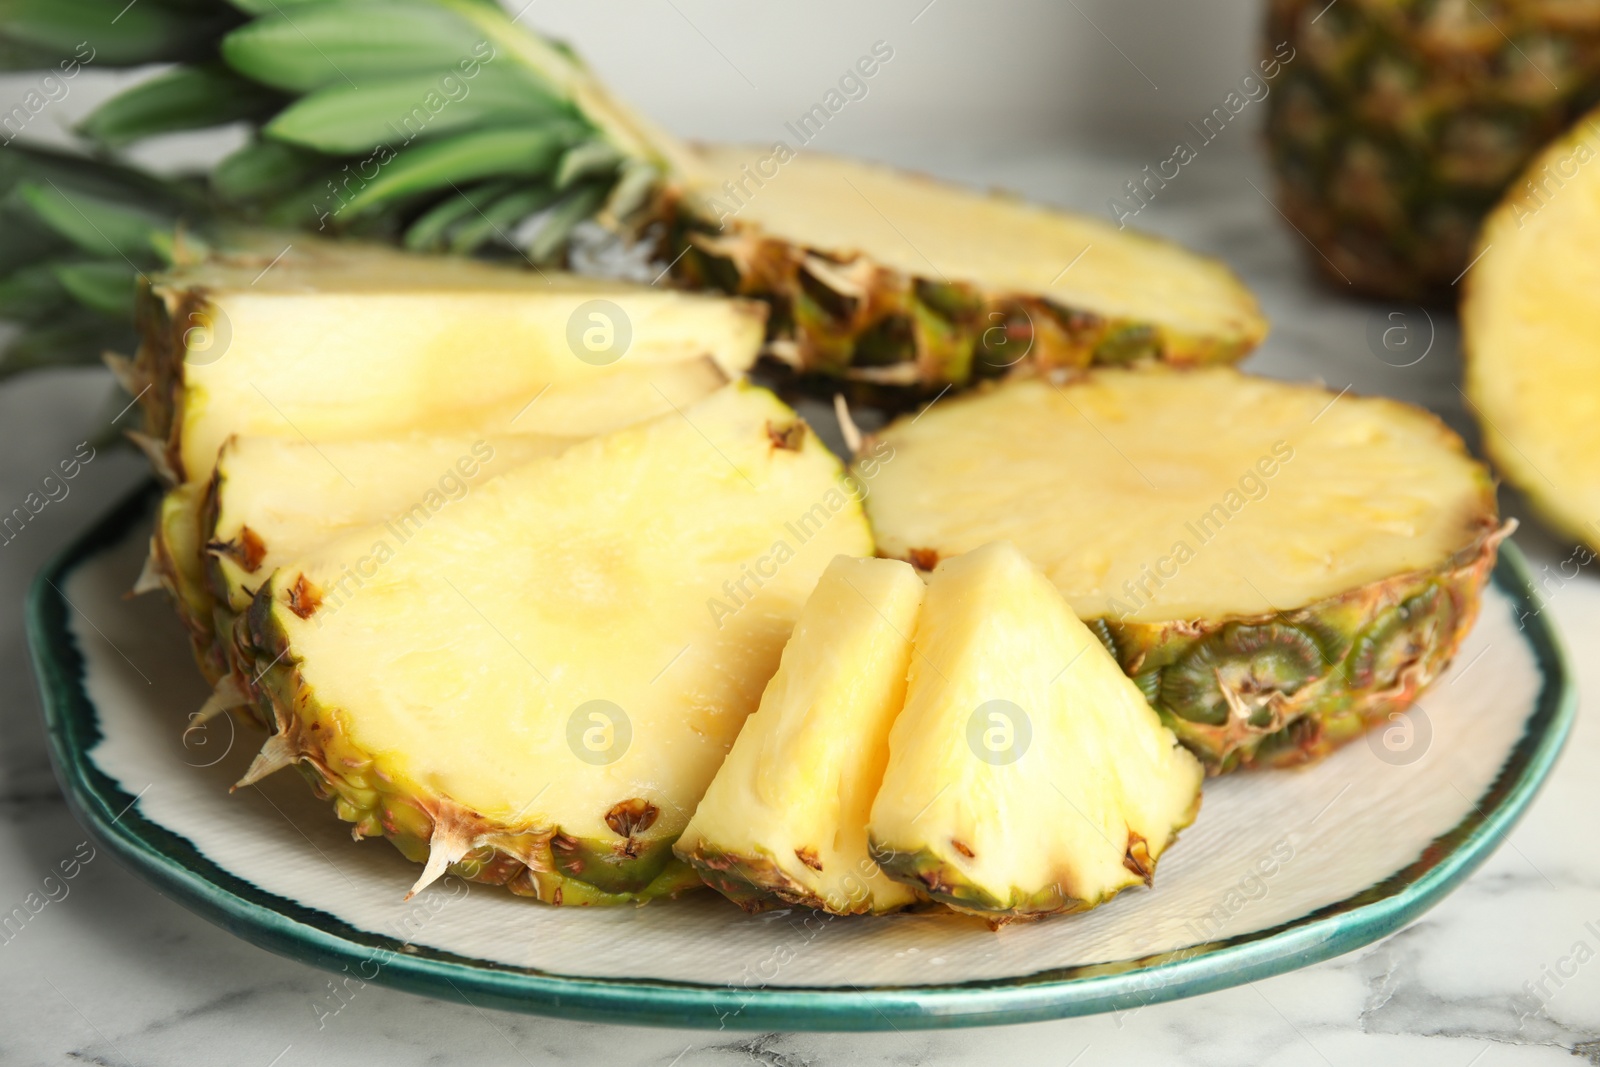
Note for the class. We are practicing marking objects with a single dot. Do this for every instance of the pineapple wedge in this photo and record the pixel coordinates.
(1530, 322)
(1277, 566)
(1027, 776)
(785, 819)
(537, 686)
(897, 279)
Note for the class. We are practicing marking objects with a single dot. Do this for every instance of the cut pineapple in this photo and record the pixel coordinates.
(1027, 776)
(312, 341)
(1530, 322)
(1276, 565)
(894, 278)
(539, 683)
(347, 341)
(785, 819)
(271, 500)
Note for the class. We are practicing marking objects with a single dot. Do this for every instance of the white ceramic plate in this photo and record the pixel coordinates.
(1281, 869)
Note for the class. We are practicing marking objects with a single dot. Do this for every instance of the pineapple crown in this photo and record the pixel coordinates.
(443, 125)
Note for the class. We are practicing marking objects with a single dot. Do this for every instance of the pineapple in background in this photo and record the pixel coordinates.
(1399, 123)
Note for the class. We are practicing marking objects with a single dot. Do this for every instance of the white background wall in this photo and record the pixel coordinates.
(966, 76)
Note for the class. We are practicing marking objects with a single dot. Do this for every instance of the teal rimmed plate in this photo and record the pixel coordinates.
(1281, 870)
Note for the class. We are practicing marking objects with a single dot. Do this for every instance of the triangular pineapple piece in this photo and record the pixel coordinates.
(899, 279)
(785, 819)
(548, 674)
(1027, 776)
(334, 341)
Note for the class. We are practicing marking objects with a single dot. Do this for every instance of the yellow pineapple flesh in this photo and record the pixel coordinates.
(785, 819)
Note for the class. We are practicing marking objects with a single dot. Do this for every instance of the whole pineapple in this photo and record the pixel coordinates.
(1398, 123)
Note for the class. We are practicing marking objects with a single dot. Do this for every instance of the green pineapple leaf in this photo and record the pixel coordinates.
(353, 43)
(185, 98)
(468, 157)
(108, 287)
(341, 118)
(96, 225)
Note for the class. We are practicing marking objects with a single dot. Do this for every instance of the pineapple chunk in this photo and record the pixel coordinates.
(549, 673)
(348, 341)
(1277, 566)
(1530, 321)
(1027, 776)
(785, 819)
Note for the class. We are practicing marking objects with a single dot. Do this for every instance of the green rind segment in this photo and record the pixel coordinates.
(756, 882)
(894, 330)
(542, 863)
(941, 878)
(1379, 646)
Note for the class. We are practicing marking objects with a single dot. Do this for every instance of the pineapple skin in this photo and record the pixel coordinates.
(842, 315)
(1397, 126)
(1373, 649)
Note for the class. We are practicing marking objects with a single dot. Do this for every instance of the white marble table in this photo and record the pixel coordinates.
(1501, 973)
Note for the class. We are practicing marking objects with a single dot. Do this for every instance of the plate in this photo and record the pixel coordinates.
(1282, 868)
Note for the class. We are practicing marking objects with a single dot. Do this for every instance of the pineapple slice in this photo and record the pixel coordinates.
(785, 819)
(1530, 323)
(314, 341)
(271, 500)
(1027, 776)
(898, 279)
(538, 684)
(1277, 566)
(348, 341)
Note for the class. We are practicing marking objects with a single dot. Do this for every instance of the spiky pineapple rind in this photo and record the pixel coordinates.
(1337, 700)
(898, 330)
(755, 881)
(939, 874)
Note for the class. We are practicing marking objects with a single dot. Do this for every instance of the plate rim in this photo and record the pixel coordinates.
(173, 865)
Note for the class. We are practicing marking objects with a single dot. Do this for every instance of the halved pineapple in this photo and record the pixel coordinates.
(1276, 565)
(1530, 321)
(1027, 776)
(895, 278)
(539, 683)
(785, 819)
(348, 340)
